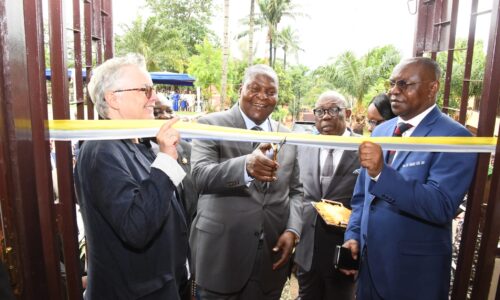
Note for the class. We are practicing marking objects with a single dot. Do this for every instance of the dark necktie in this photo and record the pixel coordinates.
(398, 132)
(327, 172)
(255, 144)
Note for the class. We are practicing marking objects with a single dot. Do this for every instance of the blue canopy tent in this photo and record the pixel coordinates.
(157, 77)
(172, 78)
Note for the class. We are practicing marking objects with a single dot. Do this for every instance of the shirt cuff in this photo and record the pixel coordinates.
(294, 232)
(170, 167)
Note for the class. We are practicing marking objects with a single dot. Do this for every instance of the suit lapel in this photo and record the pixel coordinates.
(314, 165)
(423, 129)
(146, 164)
(143, 161)
(388, 132)
(237, 121)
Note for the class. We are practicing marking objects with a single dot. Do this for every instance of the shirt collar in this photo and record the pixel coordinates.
(346, 133)
(418, 118)
(250, 124)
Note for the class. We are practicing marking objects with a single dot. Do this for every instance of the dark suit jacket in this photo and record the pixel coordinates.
(136, 231)
(404, 219)
(340, 189)
(231, 215)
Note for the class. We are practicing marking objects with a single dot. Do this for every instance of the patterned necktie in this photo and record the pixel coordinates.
(255, 144)
(327, 172)
(398, 132)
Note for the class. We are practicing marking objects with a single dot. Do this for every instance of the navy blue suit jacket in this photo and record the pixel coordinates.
(404, 219)
(136, 231)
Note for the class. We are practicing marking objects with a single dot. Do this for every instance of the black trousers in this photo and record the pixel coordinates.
(323, 281)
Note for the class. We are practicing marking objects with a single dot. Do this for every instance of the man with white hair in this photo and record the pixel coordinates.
(135, 225)
(330, 174)
(250, 206)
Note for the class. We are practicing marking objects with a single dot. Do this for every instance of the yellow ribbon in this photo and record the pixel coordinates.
(121, 129)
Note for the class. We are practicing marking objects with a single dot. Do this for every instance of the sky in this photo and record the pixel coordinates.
(330, 27)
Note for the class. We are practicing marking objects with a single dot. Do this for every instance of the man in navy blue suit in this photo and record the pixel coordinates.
(135, 224)
(404, 202)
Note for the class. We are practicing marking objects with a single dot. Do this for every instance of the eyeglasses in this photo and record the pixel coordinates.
(148, 90)
(374, 123)
(402, 84)
(333, 111)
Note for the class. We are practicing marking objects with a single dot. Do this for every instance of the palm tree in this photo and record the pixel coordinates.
(288, 40)
(225, 55)
(271, 13)
(354, 77)
(162, 47)
(250, 32)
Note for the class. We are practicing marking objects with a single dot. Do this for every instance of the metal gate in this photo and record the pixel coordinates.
(37, 234)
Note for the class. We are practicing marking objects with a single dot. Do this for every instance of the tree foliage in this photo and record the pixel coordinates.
(271, 13)
(206, 67)
(191, 18)
(289, 42)
(162, 48)
(457, 74)
(354, 76)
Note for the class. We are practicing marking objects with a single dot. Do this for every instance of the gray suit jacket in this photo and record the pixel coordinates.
(231, 215)
(340, 189)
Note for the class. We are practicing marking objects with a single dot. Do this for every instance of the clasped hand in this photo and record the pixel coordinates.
(261, 167)
(168, 137)
(371, 158)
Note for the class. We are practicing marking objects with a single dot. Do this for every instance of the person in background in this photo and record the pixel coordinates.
(404, 201)
(175, 100)
(379, 110)
(250, 207)
(137, 233)
(326, 174)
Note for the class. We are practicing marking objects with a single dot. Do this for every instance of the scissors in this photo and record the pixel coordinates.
(277, 147)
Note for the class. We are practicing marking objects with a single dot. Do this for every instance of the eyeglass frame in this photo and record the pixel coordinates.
(402, 84)
(332, 111)
(147, 90)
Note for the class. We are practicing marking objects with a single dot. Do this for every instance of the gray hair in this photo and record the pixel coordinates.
(104, 78)
(335, 95)
(427, 63)
(260, 69)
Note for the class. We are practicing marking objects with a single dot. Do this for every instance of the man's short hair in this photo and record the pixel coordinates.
(336, 95)
(104, 78)
(260, 69)
(427, 63)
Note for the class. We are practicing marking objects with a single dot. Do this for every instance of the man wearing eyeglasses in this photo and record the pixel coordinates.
(250, 205)
(134, 222)
(404, 202)
(326, 174)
